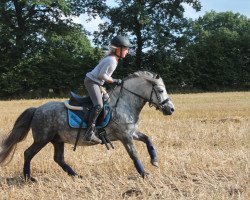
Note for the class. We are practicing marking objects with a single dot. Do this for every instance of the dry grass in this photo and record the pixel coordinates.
(203, 150)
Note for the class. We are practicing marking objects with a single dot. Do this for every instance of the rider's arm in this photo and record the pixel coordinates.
(108, 67)
(107, 78)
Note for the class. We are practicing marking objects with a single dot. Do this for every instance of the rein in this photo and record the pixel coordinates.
(150, 100)
(146, 100)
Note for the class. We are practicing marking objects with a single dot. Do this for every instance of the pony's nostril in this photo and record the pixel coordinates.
(172, 109)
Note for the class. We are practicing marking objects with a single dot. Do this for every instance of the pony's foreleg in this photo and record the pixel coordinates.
(151, 150)
(59, 157)
(128, 144)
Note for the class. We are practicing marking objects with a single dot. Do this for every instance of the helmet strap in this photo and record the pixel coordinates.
(121, 53)
(119, 56)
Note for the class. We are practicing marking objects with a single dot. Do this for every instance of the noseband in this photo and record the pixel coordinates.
(150, 100)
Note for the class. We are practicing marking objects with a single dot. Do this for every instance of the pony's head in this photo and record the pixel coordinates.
(156, 93)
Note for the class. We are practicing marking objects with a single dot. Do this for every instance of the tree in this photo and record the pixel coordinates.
(40, 49)
(218, 54)
(27, 19)
(150, 23)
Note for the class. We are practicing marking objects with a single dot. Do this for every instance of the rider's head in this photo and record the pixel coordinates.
(120, 46)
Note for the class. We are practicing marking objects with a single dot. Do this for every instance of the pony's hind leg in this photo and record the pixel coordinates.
(151, 150)
(59, 156)
(28, 155)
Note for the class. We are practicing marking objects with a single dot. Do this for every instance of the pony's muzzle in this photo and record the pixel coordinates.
(168, 109)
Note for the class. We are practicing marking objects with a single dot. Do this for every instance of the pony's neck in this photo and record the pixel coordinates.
(126, 103)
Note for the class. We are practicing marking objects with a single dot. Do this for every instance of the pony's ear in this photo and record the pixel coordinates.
(157, 76)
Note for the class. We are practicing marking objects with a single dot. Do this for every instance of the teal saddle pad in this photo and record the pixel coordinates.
(75, 117)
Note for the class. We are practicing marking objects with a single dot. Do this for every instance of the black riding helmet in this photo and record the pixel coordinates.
(120, 41)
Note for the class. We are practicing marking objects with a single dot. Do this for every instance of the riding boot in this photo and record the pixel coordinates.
(90, 133)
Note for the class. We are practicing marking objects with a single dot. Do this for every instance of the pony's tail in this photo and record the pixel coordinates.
(17, 134)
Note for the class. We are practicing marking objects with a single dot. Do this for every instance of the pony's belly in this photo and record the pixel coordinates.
(70, 138)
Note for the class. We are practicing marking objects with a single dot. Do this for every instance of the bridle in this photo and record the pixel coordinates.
(149, 100)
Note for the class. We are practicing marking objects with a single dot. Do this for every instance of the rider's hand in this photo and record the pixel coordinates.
(117, 81)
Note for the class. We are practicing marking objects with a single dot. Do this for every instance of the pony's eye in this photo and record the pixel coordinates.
(160, 91)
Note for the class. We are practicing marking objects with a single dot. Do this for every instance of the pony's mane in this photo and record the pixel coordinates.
(150, 76)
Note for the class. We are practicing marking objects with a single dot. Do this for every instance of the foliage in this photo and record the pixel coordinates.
(40, 50)
(218, 56)
(151, 24)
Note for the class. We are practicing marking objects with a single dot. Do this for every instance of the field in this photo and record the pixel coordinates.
(203, 151)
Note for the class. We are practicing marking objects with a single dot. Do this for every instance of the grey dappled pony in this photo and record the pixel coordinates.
(49, 122)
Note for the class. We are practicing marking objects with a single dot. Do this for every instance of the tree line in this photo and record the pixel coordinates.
(43, 52)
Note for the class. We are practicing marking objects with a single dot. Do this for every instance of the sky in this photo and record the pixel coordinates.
(240, 6)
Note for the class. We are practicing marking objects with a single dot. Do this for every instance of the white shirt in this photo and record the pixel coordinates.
(103, 71)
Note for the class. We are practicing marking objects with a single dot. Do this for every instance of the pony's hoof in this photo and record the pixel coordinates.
(33, 180)
(76, 176)
(145, 175)
(79, 176)
(155, 162)
(30, 179)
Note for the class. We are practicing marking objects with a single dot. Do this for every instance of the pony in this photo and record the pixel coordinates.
(49, 123)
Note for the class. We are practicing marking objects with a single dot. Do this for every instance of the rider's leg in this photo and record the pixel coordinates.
(90, 134)
(96, 97)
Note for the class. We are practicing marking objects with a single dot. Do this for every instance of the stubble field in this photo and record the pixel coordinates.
(203, 151)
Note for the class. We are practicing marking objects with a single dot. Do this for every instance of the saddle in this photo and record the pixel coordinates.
(79, 109)
(76, 100)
